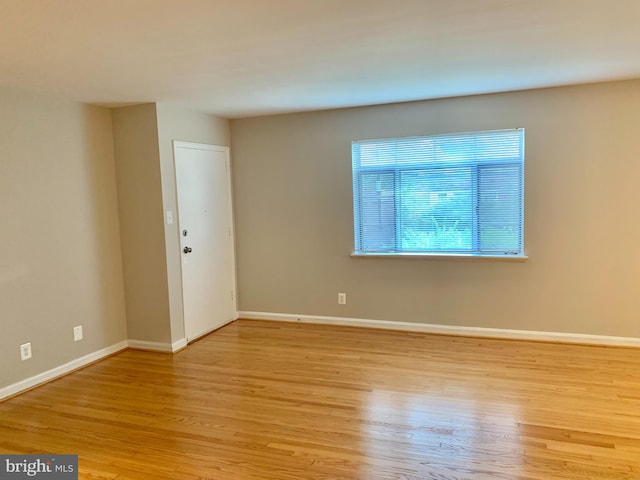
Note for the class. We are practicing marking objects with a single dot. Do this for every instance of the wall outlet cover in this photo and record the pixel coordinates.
(25, 351)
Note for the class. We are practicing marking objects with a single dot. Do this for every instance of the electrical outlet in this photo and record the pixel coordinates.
(25, 351)
(342, 298)
(77, 333)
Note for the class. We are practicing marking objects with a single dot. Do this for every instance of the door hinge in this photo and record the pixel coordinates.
(232, 295)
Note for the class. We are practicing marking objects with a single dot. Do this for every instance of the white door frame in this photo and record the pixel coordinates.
(217, 148)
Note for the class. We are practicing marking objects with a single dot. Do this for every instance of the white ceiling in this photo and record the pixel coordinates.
(239, 58)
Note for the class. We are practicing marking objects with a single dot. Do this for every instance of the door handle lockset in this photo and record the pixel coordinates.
(187, 249)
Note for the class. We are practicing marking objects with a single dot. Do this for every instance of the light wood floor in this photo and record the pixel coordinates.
(263, 400)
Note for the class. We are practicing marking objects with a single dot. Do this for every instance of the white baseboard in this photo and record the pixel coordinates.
(559, 337)
(158, 346)
(179, 345)
(56, 372)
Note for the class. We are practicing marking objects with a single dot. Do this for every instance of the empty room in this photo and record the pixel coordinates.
(319, 239)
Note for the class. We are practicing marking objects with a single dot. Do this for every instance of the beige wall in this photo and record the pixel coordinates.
(176, 123)
(294, 216)
(60, 263)
(141, 222)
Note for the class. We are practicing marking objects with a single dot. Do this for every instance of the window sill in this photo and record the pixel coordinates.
(444, 256)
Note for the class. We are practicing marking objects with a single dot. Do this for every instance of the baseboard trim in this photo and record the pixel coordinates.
(158, 346)
(179, 345)
(556, 337)
(49, 375)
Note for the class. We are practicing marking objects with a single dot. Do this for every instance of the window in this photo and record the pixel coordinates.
(441, 194)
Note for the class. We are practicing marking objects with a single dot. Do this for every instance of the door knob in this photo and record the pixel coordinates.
(187, 249)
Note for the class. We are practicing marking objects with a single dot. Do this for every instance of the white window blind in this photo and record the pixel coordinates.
(448, 194)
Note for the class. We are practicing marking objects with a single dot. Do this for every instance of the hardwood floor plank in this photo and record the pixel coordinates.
(281, 401)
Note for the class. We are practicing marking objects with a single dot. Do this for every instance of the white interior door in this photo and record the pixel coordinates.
(203, 183)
